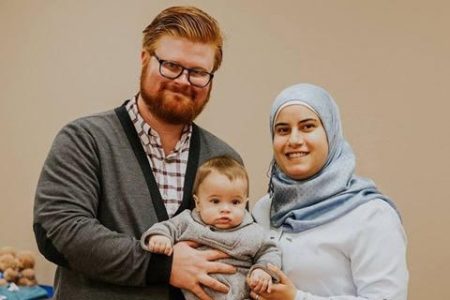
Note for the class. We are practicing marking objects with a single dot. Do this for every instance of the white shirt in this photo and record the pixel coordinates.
(361, 255)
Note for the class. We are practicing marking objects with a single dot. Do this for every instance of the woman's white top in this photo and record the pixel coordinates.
(361, 255)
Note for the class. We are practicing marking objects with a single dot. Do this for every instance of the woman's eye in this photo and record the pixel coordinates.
(282, 130)
(308, 126)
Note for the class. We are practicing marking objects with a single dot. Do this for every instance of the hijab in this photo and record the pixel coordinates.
(299, 205)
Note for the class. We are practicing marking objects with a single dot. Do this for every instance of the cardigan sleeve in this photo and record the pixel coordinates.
(66, 226)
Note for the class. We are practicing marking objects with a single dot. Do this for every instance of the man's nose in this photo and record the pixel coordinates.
(183, 78)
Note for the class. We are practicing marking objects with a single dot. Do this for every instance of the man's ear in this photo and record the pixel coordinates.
(145, 57)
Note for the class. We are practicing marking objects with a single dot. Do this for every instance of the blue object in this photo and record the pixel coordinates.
(13, 292)
(48, 289)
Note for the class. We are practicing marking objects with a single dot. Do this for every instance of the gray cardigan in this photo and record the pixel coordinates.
(95, 197)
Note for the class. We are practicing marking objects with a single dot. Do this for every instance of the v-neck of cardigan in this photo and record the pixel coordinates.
(141, 156)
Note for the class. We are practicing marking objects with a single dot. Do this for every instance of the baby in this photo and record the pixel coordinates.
(220, 221)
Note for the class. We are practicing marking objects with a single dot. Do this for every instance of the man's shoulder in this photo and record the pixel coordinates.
(211, 145)
(92, 129)
(95, 118)
(102, 121)
(209, 137)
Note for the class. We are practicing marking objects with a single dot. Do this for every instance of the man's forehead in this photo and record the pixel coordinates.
(185, 51)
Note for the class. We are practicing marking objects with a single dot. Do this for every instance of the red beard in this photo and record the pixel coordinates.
(172, 103)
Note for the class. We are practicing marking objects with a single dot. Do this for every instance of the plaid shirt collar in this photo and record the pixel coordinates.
(169, 170)
(148, 135)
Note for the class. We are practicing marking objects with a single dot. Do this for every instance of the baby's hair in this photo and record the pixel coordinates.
(225, 165)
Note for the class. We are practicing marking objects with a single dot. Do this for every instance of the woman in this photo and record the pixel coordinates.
(340, 237)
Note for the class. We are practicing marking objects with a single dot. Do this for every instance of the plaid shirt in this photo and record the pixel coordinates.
(169, 171)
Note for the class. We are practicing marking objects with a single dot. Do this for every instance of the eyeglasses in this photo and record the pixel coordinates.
(172, 70)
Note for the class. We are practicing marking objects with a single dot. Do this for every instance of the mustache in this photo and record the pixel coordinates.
(186, 90)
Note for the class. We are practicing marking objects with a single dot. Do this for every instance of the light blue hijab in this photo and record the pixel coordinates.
(299, 205)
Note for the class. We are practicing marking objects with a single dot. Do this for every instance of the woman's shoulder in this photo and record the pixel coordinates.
(374, 216)
(261, 210)
(262, 205)
(376, 209)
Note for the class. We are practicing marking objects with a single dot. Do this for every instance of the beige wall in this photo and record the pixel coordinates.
(386, 62)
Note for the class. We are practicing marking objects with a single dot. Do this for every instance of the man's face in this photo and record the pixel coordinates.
(175, 101)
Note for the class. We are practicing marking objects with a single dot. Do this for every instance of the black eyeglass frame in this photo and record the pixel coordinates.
(189, 70)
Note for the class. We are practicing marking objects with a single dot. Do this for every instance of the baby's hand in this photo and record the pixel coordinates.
(160, 244)
(260, 281)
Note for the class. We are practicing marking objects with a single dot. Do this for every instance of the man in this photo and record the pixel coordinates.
(110, 176)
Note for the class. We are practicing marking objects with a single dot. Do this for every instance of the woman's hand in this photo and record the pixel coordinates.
(284, 290)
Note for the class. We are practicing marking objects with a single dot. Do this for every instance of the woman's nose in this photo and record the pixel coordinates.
(295, 138)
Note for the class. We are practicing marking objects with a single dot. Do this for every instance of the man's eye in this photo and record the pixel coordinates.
(171, 66)
(199, 73)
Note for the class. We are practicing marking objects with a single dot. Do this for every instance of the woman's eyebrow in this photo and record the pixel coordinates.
(308, 119)
(281, 123)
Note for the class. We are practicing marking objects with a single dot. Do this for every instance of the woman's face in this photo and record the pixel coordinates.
(300, 143)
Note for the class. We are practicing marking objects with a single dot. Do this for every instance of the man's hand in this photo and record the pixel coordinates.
(160, 244)
(191, 269)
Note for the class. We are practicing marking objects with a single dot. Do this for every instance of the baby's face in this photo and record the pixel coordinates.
(220, 201)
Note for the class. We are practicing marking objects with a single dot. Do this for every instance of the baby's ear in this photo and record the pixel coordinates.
(196, 203)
